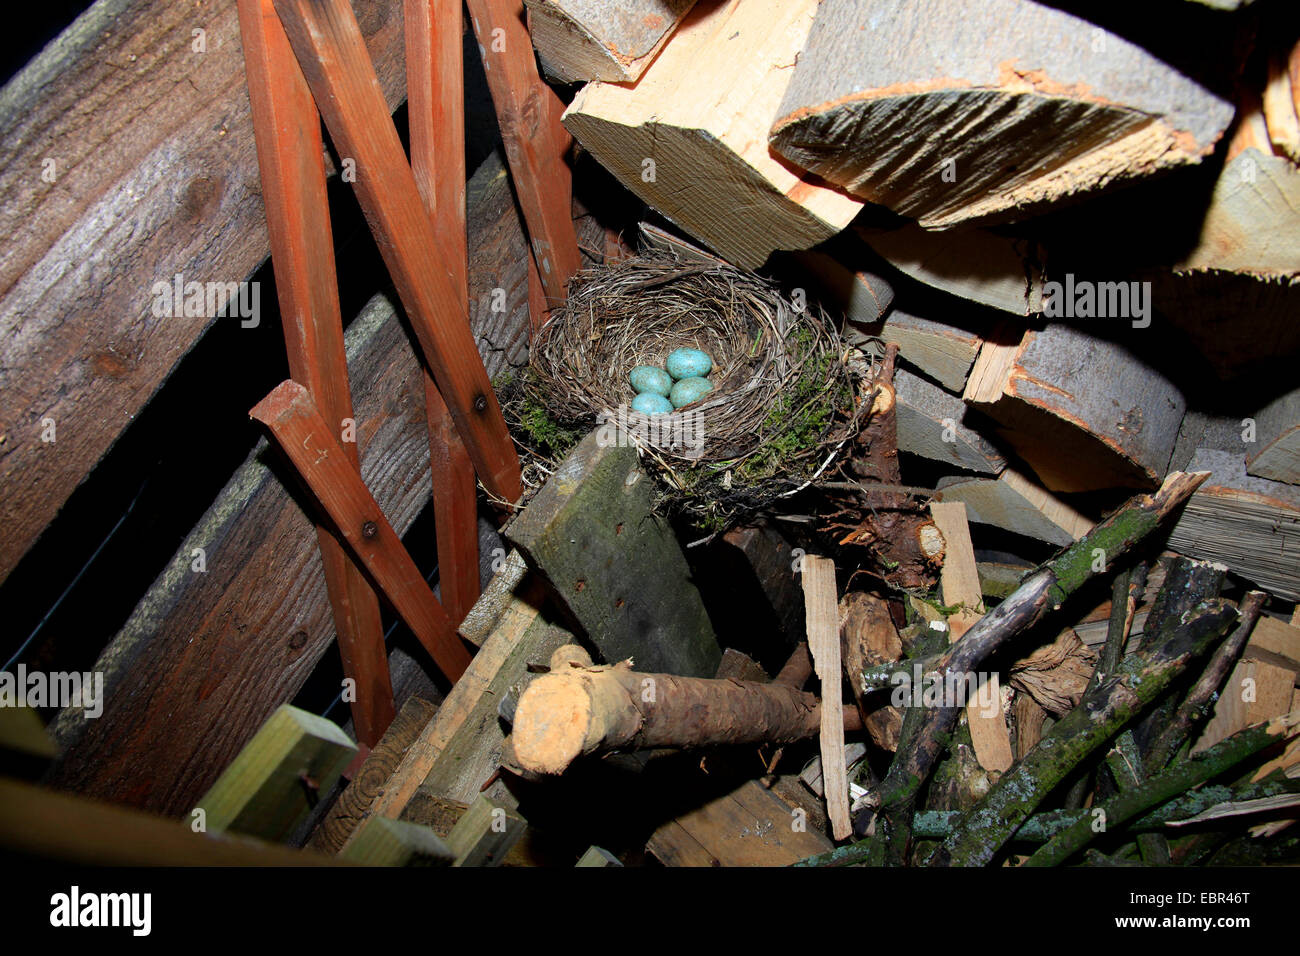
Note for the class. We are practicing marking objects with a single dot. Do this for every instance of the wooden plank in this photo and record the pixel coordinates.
(215, 653)
(984, 117)
(528, 114)
(822, 609)
(353, 804)
(689, 137)
(271, 787)
(466, 698)
(435, 105)
(751, 826)
(593, 534)
(485, 834)
(291, 160)
(309, 444)
(930, 424)
(57, 826)
(383, 842)
(1017, 504)
(580, 40)
(328, 42)
(164, 182)
(1255, 692)
(1083, 412)
(960, 584)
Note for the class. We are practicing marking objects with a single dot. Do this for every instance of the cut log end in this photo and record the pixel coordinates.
(552, 722)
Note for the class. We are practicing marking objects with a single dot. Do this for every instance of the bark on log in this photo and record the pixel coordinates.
(579, 709)
(1008, 107)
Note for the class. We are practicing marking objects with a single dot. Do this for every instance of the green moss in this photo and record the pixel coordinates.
(544, 431)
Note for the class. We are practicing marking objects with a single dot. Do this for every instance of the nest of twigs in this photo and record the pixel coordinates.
(783, 398)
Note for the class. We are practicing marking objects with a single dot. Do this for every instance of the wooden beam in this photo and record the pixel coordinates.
(353, 804)
(485, 834)
(383, 842)
(822, 604)
(689, 137)
(165, 182)
(952, 120)
(580, 41)
(329, 46)
(435, 105)
(291, 159)
(528, 114)
(217, 652)
(269, 790)
(308, 441)
(593, 534)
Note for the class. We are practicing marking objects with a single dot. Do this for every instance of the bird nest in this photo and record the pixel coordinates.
(783, 398)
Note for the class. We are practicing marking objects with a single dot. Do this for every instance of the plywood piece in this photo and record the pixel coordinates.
(700, 115)
(985, 116)
(1015, 503)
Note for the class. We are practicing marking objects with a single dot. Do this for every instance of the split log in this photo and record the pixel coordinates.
(580, 40)
(1103, 711)
(1083, 412)
(851, 287)
(1002, 272)
(690, 138)
(986, 116)
(1255, 692)
(1277, 455)
(580, 709)
(1015, 503)
(941, 351)
(164, 182)
(1249, 524)
(930, 425)
(868, 639)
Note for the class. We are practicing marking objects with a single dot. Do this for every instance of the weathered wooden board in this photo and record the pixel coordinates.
(930, 425)
(1009, 106)
(380, 841)
(581, 40)
(199, 643)
(163, 182)
(1017, 504)
(1250, 524)
(689, 137)
(1084, 412)
(593, 534)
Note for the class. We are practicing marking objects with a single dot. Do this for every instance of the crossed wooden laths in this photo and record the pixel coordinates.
(307, 59)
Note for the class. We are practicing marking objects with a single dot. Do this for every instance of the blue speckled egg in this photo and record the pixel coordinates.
(647, 378)
(689, 363)
(648, 403)
(689, 390)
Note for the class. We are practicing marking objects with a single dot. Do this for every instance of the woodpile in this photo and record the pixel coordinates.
(1039, 566)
